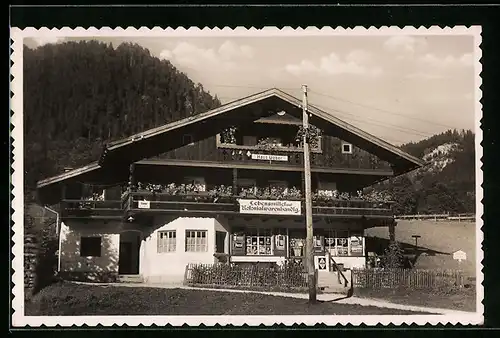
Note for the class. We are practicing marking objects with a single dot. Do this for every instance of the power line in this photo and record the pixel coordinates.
(342, 100)
(381, 110)
(378, 122)
(250, 87)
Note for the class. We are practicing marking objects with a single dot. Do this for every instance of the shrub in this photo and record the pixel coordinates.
(393, 257)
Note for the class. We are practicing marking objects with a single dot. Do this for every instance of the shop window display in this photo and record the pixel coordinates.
(259, 242)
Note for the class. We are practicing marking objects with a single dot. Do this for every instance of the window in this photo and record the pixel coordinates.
(259, 242)
(166, 241)
(90, 247)
(196, 241)
(337, 242)
(346, 148)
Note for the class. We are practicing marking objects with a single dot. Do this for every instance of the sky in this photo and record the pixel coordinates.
(400, 88)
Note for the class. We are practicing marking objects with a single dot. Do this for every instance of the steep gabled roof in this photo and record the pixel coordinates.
(255, 107)
(162, 139)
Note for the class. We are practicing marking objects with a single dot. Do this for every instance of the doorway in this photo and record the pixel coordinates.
(220, 241)
(128, 263)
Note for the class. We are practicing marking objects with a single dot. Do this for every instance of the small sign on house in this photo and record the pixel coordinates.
(321, 263)
(143, 205)
(267, 157)
(460, 255)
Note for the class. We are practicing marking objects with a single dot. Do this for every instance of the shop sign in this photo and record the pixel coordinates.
(144, 205)
(270, 207)
(356, 245)
(267, 157)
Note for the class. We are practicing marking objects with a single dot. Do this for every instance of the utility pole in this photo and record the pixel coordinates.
(311, 271)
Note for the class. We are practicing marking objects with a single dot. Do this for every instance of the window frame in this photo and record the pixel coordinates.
(196, 244)
(169, 242)
(346, 151)
(267, 236)
(333, 248)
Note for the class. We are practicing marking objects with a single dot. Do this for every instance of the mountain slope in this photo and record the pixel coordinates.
(446, 184)
(80, 95)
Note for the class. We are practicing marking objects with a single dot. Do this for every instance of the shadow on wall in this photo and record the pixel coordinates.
(412, 253)
(99, 265)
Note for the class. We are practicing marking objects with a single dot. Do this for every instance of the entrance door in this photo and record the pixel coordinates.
(220, 241)
(125, 265)
(129, 253)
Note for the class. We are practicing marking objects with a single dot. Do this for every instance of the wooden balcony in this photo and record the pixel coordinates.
(204, 203)
(85, 209)
(296, 159)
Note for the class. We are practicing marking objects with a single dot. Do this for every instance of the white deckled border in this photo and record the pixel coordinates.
(18, 318)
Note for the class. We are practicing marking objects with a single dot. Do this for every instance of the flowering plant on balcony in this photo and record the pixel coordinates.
(228, 135)
(92, 198)
(172, 188)
(313, 135)
(220, 192)
(269, 143)
(275, 193)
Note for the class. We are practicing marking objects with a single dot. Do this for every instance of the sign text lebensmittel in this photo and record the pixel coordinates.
(270, 207)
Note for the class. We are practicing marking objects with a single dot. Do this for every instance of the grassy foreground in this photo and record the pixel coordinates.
(75, 299)
(455, 299)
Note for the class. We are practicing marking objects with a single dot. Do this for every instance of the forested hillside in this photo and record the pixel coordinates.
(447, 184)
(80, 95)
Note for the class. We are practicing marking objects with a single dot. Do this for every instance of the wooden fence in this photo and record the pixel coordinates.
(246, 276)
(438, 217)
(407, 278)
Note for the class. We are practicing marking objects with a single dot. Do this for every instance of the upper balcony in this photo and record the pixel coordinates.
(277, 145)
(197, 200)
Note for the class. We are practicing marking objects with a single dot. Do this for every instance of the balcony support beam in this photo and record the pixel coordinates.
(235, 182)
(131, 178)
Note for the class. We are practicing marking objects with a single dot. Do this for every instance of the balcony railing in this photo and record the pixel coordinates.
(366, 162)
(74, 208)
(217, 200)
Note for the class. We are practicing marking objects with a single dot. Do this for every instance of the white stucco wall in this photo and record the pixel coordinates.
(155, 267)
(351, 262)
(170, 266)
(71, 234)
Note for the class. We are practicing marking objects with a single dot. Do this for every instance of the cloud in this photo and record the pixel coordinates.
(424, 76)
(432, 60)
(225, 57)
(358, 56)
(45, 39)
(404, 43)
(230, 50)
(356, 62)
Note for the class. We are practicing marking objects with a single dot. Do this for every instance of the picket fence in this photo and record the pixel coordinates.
(407, 278)
(245, 276)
